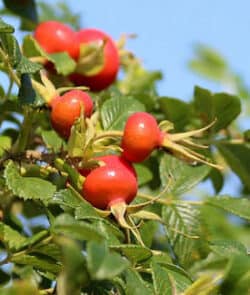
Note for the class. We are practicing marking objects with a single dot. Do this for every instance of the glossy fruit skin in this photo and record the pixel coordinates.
(108, 73)
(67, 108)
(111, 160)
(54, 36)
(141, 136)
(113, 183)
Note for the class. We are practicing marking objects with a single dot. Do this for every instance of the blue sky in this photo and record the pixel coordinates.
(167, 31)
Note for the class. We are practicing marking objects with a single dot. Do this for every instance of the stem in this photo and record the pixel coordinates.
(13, 75)
(9, 89)
(112, 133)
(46, 291)
(128, 236)
(198, 203)
(24, 134)
(154, 199)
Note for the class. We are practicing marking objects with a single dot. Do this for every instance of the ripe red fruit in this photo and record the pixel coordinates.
(111, 184)
(141, 136)
(54, 36)
(108, 73)
(111, 160)
(67, 108)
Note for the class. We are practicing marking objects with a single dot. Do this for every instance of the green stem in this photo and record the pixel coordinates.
(9, 89)
(12, 74)
(46, 291)
(24, 134)
(154, 199)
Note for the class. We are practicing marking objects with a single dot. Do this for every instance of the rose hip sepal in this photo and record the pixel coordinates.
(67, 108)
(142, 135)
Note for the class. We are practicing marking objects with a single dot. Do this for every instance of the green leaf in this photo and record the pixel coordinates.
(178, 279)
(6, 28)
(31, 47)
(51, 250)
(103, 264)
(148, 99)
(180, 176)
(183, 229)
(137, 79)
(11, 47)
(40, 262)
(135, 284)
(5, 144)
(246, 135)
(237, 280)
(52, 140)
(25, 66)
(59, 11)
(209, 63)
(112, 234)
(35, 239)
(20, 288)
(228, 248)
(25, 9)
(68, 198)
(26, 93)
(238, 158)
(76, 229)
(4, 278)
(74, 275)
(134, 253)
(64, 64)
(28, 187)
(237, 206)
(176, 111)
(221, 106)
(163, 282)
(116, 110)
(207, 284)
(12, 238)
(147, 231)
(217, 179)
(144, 174)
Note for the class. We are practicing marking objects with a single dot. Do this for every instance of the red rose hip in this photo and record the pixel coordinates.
(107, 75)
(54, 36)
(141, 136)
(110, 184)
(67, 108)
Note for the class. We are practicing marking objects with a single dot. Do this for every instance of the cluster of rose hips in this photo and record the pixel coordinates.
(117, 179)
(114, 181)
(55, 37)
